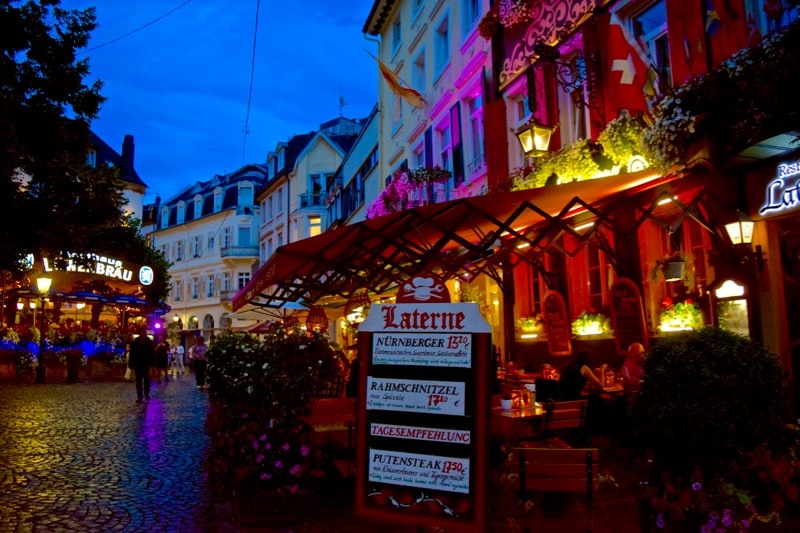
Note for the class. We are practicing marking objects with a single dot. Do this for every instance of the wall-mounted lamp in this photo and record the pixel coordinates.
(534, 137)
(740, 232)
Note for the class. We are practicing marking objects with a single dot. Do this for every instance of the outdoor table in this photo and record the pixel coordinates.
(507, 421)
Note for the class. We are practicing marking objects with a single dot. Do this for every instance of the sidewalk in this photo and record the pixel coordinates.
(85, 457)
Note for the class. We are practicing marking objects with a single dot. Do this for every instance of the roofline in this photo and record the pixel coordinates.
(377, 16)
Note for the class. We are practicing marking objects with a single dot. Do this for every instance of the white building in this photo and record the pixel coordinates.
(209, 232)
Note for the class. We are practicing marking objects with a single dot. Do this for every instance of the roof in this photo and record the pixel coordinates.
(381, 9)
(107, 155)
(469, 235)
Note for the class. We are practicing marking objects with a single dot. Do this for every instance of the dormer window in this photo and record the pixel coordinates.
(217, 200)
(181, 212)
(164, 217)
(198, 206)
(91, 158)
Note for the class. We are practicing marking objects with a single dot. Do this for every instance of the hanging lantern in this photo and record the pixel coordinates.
(317, 320)
(357, 306)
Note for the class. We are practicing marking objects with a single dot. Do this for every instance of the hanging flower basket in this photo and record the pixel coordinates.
(671, 267)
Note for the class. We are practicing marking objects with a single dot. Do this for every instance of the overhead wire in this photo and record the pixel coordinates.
(140, 28)
(246, 128)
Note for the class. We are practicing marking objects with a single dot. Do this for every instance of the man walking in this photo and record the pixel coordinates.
(142, 357)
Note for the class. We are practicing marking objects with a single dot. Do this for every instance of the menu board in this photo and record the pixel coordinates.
(423, 410)
(557, 325)
(627, 315)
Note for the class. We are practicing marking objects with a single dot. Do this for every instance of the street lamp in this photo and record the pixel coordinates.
(20, 307)
(534, 137)
(43, 284)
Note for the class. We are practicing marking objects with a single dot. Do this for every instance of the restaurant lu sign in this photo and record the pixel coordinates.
(423, 408)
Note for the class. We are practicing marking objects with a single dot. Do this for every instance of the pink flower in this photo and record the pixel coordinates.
(255, 444)
(278, 464)
(263, 437)
(286, 447)
(304, 451)
(294, 470)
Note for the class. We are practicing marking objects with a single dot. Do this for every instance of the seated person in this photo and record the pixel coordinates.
(632, 372)
(576, 375)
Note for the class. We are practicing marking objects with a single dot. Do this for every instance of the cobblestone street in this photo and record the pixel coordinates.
(85, 457)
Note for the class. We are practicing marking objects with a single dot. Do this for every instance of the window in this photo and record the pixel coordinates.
(217, 200)
(281, 157)
(573, 112)
(245, 194)
(418, 156)
(91, 158)
(396, 34)
(649, 28)
(210, 286)
(316, 186)
(269, 248)
(181, 212)
(314, 226)
(269, 208)
(416, 7)
(470, 11)
(441, 46)
(594, 264)
(211, 241)
(226, 237)
(418, 73)
(195, 288)
(280, 240)
(179, 251)
(279, 201)
(226, 281)
(196, 245)
(244, 235)
(397, 111)
(165, 217)
(198, 206)
(446, 150)
(475, 107)
(177, 290)
(243, 279)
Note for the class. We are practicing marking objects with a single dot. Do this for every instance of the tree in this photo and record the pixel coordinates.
(46, 108)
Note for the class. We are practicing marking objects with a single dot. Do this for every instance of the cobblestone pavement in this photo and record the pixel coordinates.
(86, 457)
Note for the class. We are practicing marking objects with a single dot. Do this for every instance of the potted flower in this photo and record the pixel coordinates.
(531, 324)
(671, 267)
(259, 389)
(591, 322)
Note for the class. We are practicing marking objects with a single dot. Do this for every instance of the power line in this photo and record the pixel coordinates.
(246, 128)
(133, 31)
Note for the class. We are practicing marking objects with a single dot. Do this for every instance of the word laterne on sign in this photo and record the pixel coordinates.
(423, 410)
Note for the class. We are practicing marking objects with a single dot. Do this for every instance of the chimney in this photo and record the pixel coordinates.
(127, 156)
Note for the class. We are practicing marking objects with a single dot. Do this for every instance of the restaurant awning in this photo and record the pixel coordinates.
(469, 235)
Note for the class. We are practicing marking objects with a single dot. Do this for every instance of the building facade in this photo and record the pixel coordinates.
(209, 232)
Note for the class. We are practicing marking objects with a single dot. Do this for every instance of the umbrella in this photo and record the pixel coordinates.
(84, 296)
(160, 309)
(261, 328)
(129, 300)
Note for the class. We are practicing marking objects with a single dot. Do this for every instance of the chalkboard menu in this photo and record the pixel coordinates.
(423, 410)
(627, 315)
(557, 325)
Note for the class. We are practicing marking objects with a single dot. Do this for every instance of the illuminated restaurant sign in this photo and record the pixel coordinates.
(783, 193)
(107, 267)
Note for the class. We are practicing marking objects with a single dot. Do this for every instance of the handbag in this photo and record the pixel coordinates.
(127, 374)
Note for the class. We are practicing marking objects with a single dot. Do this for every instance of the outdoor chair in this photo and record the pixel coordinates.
(566, 472)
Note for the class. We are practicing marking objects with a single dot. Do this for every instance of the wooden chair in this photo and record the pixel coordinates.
(570, 415)
(566, 471)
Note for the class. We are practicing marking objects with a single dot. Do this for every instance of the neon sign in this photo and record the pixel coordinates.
(102, 266)
(781, 193)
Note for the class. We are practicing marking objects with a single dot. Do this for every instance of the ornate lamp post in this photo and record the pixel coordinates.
(43, 285)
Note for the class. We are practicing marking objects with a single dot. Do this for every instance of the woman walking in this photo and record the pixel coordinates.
(199, 356)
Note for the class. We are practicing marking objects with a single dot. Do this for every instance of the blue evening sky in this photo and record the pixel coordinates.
(181, 84)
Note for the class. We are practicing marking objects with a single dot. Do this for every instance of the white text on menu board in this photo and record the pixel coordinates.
(422, 349)
(415, 470)
(458, 436)
(414, 396)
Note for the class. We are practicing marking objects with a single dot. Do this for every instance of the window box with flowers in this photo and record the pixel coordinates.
(679, 316)
(592, 323)
(531, 327)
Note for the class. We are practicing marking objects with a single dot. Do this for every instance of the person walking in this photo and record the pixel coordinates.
(178, 354)
(142, 357)
(199, 356)
(162, 360)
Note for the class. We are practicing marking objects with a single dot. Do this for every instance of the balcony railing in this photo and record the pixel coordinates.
(476, 165)
(309, 199)
(226, 295)
(238, 251)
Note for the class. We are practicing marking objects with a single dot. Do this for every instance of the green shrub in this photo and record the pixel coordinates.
(710, 399)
